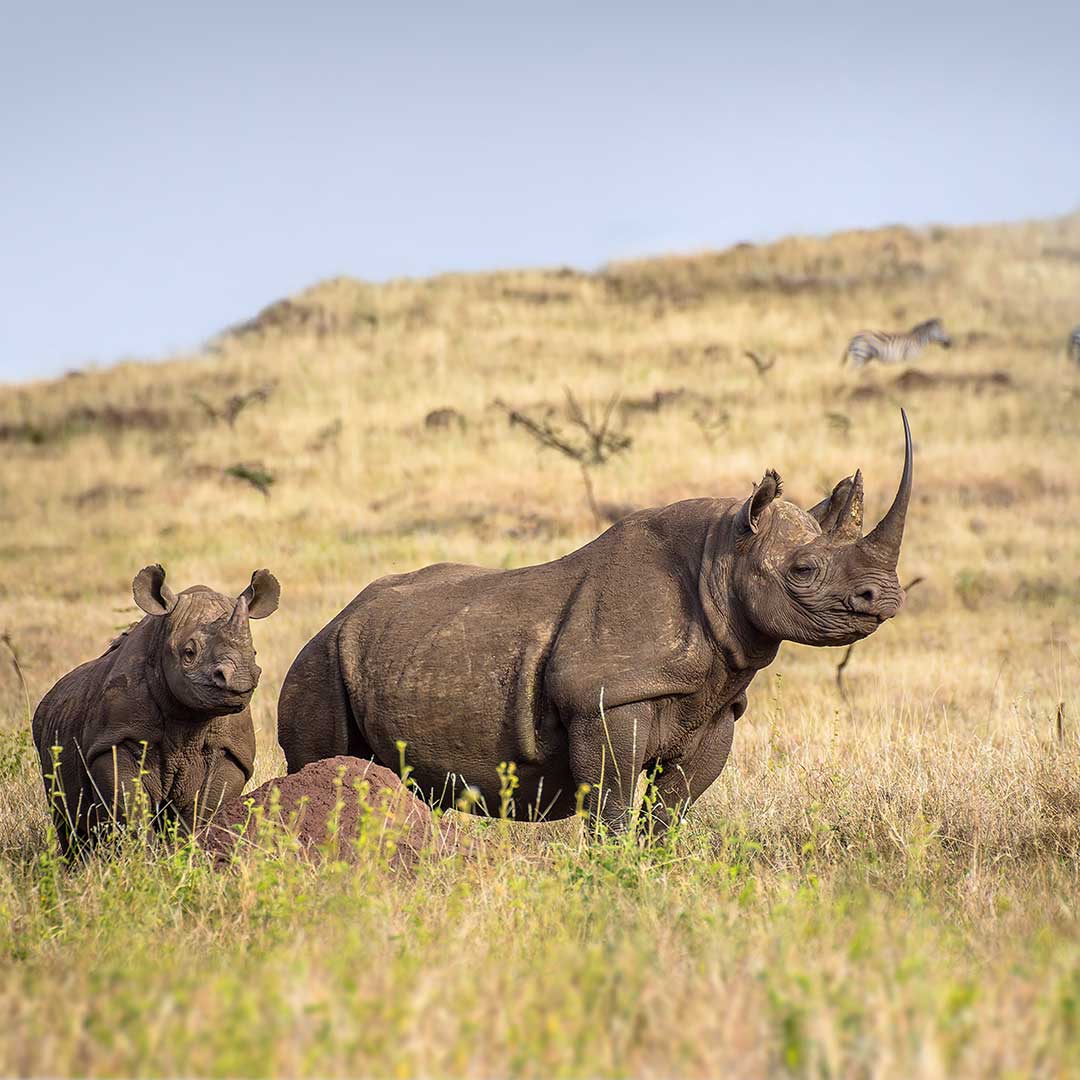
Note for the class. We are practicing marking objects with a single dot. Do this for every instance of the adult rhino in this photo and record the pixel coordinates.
(166, 703)
(633, 652)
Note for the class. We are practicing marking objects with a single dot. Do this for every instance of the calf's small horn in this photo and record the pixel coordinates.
(889, 531)
(238, 620)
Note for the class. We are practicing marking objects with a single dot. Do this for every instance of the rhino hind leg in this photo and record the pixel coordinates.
(315, 718)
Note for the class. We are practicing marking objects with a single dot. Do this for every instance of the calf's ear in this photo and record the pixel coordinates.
(262, 595)
(150, 591)
(763, 494)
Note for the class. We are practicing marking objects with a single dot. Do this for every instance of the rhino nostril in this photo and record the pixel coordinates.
(865, 600)
(219, 677)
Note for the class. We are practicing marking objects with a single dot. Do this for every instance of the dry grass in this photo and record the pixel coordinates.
(878, 886)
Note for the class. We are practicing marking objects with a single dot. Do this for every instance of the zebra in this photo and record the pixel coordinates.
(1074, 344)
(869, 345)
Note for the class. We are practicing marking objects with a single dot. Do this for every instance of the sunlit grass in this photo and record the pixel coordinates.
(881, 883)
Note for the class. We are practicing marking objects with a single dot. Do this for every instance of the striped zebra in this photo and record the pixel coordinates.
(1074, 344)
(869, 345)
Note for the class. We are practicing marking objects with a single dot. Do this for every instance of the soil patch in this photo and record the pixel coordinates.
(912, 380)
(444, 419)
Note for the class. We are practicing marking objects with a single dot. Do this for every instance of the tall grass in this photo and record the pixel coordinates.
(882, 883)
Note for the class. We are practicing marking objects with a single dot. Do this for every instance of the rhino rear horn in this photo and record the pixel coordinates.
(841, 514)
(150, 591)
(824, 512)
(884, 541)
(763, 494)
(261, 596)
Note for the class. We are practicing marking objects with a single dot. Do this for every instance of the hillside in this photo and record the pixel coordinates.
(303, 440)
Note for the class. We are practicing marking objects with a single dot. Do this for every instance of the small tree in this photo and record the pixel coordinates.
(599, 444)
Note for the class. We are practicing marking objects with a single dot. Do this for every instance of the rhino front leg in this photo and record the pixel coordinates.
(122, 789)
(607, 752)
(684, 780)
(224, 782)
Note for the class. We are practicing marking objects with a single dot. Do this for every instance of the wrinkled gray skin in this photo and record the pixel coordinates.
(666, 618)
(180, 681)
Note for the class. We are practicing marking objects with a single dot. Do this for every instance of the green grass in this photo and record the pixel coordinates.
(823, 927)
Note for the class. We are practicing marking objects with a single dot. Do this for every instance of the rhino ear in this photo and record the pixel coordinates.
(262, 595)
(750, 513)
(150, 591)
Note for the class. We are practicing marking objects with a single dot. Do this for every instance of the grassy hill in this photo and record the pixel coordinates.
(883, 881)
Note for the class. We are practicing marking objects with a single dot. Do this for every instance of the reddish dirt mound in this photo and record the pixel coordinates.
(347, 800)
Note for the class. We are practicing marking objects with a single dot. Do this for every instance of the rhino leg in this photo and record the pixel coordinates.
(684, 780)
(121, 788)
(224, 782)
(315, 718)
(607, 752)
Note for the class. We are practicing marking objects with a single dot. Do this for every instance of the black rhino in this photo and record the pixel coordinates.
(632, 653)
(166, 702)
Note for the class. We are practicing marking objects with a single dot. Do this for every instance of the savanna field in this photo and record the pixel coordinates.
(885, 879)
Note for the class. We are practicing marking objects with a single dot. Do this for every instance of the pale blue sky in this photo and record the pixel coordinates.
(170, 170)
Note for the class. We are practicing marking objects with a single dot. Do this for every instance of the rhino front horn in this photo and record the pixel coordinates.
(885, 540)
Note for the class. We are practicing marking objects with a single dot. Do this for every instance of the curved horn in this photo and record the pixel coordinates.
(889, 531)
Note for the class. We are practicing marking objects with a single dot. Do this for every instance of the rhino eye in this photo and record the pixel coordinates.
(802, 572)
(189, 651)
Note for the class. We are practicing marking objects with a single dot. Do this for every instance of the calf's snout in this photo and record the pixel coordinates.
(226, 675)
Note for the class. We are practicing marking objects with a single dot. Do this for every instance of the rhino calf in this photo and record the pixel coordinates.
(631, 654)
(161, 716)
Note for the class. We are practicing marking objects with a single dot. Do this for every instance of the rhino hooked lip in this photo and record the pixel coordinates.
(229, 699)
(876, 618)
(870, 619)
(232, 703)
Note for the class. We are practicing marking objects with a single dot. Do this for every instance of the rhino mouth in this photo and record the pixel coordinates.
(236, 703)
(224, 700)
(872, 620)
(857, 625)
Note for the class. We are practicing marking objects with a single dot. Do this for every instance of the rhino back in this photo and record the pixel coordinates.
(635, 629)
(449, 661)
(315, 718)
(472, 667)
